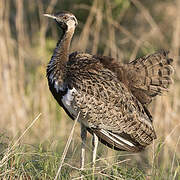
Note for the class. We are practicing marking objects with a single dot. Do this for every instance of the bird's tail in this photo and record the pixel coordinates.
(150, 76)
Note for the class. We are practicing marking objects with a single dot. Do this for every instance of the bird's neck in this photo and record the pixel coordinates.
(60, 56)
(62, 48)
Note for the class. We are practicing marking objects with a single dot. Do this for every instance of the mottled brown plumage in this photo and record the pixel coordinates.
(112, 98)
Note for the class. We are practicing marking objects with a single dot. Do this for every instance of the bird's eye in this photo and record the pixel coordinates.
(65, 17)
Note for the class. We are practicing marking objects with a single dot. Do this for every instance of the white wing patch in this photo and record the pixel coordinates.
(67, 101)
(69, 96)
(110, 136)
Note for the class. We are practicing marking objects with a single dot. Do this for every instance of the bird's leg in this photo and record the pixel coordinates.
(83, 137)
(95, 145)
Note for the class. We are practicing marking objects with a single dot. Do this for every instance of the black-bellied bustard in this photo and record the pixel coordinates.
(111, 98)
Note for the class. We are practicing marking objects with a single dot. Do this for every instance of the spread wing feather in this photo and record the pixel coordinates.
(149, 76)
(145, 77)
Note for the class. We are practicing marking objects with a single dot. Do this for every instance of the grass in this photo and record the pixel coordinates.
(39, 162)
(45, 161)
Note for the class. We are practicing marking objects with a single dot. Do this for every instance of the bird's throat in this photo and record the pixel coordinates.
(56, 66)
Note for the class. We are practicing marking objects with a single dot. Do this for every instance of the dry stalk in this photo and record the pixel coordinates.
(66, 147)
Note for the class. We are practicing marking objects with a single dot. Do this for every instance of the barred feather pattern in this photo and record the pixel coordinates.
(149, 76)
(106, 104)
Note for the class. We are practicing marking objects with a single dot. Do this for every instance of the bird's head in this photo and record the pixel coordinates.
(64, 19)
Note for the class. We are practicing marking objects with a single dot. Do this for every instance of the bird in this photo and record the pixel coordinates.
(111, 98)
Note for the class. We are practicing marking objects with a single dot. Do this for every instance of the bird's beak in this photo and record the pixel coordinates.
(50, 16)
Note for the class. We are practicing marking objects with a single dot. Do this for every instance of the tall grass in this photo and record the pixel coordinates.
(122, 29)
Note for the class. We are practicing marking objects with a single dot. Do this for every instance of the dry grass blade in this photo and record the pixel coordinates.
(8, 153)
(170, 134)
(22, 135)
(66, 147)
(102, 170)
(173, 161)
(111, 177)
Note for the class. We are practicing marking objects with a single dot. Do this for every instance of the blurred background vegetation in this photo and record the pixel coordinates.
(124, 29)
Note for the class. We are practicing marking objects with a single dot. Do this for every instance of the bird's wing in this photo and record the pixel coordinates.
(145, 77)
(107, 107)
